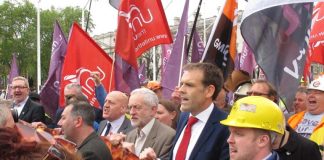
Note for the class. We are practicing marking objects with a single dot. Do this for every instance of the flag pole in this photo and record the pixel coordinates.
(87, 26)
(154, 62)
(194, 26)
(38, 49)
(181, 62)
(112, 71)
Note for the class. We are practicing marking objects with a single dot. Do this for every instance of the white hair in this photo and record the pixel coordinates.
(150, 98)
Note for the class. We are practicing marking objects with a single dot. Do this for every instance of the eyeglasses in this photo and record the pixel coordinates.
(253, 93)
(18, 87)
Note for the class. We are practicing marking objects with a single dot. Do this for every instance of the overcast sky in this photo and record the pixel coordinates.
(105, 16)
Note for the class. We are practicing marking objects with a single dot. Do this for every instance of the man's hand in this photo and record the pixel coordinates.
(116, 138)
(129, 146)
(96, 77)
(147, 154)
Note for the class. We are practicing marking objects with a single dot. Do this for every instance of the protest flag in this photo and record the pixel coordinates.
(126, 76)
(83, 56)
(316, 39)
(197, 48)
(277, 32)
(49, 94)
(141, 25)
(173, 66)
(14, 72)
(221, 45)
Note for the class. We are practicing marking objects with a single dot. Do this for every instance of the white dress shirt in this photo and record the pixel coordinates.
(195, 131)
(115, 125)
(19, 106)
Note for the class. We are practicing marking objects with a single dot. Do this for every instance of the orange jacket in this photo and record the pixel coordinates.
(318, 132)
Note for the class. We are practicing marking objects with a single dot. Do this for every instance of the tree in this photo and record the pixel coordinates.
(18, 35)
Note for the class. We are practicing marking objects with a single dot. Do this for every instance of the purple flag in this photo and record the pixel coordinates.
(49, 94)
(166, 52)
(14, 72)
(277, 33)
(142, 74)
(246, 60)
(172, 70)
(126, 77)
(197, 48)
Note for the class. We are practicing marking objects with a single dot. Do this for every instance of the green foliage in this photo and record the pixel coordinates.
(18, 34)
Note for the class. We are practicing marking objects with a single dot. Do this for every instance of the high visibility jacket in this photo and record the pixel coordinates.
(318, 133)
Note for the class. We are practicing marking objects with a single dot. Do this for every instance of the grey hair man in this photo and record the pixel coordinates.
(149, 132)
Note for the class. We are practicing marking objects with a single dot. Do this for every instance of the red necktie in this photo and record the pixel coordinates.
(182, 150)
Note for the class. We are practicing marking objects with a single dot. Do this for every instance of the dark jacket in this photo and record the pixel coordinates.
(298, 148)
(93, 148)
(212, 142)
(32, 112)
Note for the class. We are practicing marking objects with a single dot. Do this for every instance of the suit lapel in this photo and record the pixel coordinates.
(123, 127)
(25, 109)
(182, 123)
(102, 127)
(206, 132)
(150, 139)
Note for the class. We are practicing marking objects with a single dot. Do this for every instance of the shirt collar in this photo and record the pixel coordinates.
(117, 122)
(148, 127)
(21, 104)
(204, 115)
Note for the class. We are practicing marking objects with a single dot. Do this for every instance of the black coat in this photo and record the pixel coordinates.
(32, 112)
(93, 148)
(298, 148)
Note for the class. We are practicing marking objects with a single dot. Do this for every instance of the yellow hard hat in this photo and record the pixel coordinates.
(256, 112)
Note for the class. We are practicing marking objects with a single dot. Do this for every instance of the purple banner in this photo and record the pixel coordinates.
(126, 77)
(246, 60)
(197, 48)
(49, 94)
(172, 71)
(142, 74)
(14, 72)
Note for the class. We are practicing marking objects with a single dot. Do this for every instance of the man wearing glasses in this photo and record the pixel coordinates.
(28, 110)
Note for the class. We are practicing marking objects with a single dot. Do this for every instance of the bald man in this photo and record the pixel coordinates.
(114, 111)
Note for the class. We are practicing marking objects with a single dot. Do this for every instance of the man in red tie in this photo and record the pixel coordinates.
(199, 134)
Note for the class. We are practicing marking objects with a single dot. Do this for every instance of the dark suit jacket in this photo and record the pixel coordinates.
(212, 142)
(32, 112)
(93, 148)
(159, 139)
(125, 127)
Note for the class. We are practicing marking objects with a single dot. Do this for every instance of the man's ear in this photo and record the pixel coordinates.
(78, 121)
(210, 90)
(263, 140)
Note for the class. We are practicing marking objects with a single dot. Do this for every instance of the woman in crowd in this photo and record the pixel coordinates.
(167, 113)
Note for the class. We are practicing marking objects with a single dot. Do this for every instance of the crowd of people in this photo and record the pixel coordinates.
(199, 122)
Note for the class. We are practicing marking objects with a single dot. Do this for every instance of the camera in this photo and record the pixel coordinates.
(14, 114)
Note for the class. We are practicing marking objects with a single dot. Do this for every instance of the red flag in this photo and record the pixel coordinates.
(141, 25)
(83, 56)
(316, 40)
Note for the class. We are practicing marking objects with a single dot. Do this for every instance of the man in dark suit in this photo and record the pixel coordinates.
(28, 110)
(76, 122)
(199, 132)
(149, 132)
(114, 110)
